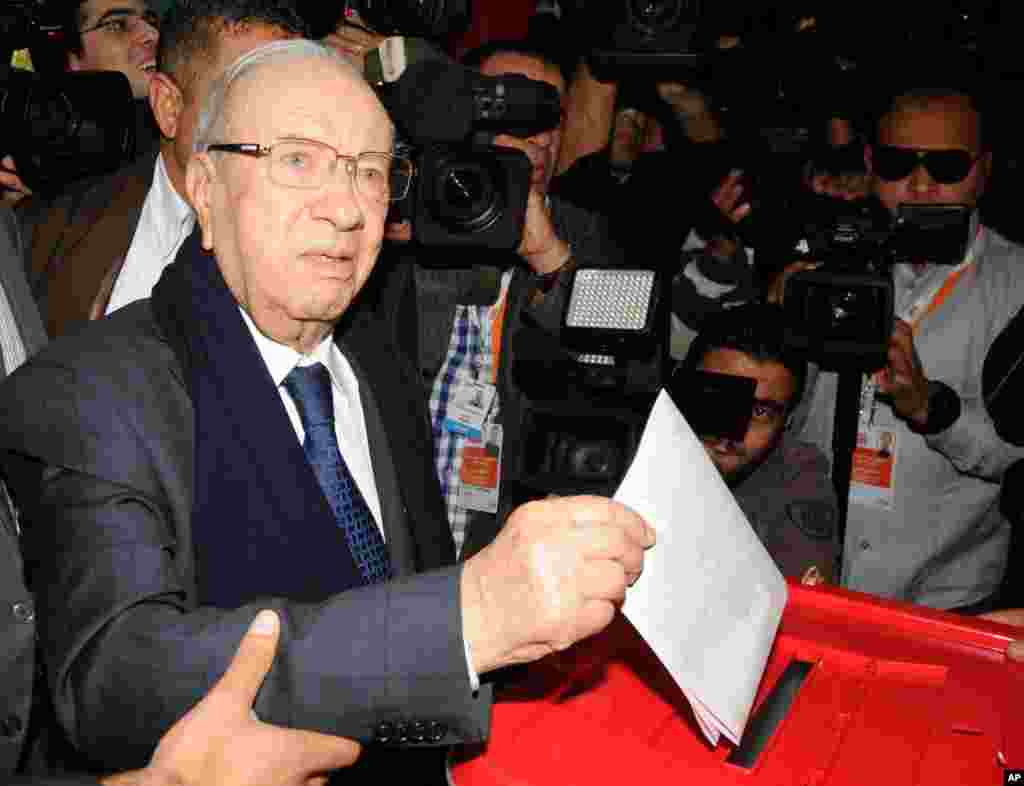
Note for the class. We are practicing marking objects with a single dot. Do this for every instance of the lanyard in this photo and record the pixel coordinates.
(930, 301)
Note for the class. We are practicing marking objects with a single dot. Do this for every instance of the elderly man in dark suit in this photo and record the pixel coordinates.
(246, 439)
(216, 743)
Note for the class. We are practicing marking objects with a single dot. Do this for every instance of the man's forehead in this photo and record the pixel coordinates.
(93, 10)
(932, 123)
(308, 98)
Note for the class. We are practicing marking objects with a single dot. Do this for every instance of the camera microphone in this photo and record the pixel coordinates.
(433, 99)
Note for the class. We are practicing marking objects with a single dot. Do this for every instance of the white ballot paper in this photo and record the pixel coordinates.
(710, 598)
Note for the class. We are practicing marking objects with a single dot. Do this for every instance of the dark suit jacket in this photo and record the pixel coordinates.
(78, 243)
(99, 437)
(17, 612)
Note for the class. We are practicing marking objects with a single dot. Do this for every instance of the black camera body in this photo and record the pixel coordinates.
(434, 19)
(841, 313)
(645, 34)
(63, 128)
(471, 195)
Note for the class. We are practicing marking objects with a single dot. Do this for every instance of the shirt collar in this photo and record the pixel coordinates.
(281, 359)
(175, 215)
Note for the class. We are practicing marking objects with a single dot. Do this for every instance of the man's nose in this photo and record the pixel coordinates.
(543, 139)
(339, 202)
(920, 181)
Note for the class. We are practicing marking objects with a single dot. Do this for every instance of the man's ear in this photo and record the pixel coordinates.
(200, 179)
(167, 103)
(74, 62)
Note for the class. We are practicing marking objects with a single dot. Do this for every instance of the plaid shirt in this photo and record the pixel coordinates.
(469, 359)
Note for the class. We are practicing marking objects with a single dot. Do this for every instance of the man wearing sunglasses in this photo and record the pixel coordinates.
(923, 522)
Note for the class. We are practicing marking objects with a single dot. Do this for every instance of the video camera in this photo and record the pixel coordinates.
(63, 128)
(59, 126)
(433, 19)
(468, 192)
(841, 313)
(592, 387)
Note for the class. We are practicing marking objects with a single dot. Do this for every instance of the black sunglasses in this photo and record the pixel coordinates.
(944, 166)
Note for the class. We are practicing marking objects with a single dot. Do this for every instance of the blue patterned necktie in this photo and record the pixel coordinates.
(310, 389)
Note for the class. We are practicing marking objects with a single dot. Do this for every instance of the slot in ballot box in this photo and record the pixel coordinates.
(857, 691)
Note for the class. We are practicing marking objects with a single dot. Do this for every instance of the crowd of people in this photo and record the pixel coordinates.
(259, 447)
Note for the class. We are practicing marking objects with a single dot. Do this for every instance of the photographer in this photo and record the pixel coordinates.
(923, 522)
(104, 244)
(101, 35)
(462, 331)
(780, 483)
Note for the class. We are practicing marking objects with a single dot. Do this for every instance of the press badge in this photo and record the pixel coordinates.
(467, 411)
(874, 461)
(481, 471)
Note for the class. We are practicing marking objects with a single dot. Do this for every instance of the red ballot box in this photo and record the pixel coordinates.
(857, 691)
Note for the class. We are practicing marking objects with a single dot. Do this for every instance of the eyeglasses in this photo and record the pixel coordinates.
(767, 411)
(944, 166)
(125, 23)
(308, 164)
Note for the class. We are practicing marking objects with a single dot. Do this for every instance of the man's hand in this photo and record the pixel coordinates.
(903, 380)
(1015, 651)
(728, 196)
(354, 42)
(691, 108)
(219, 742)
(540, 248)
(777, 288)
(848, 186)
(553, 576)
(11, 188)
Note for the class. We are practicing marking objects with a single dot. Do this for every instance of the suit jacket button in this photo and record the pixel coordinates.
(436, 731)
(418, 731)
(24, 611)
(10, 726)
(385, 732)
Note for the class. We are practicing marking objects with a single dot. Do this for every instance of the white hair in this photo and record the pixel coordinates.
(211, 116)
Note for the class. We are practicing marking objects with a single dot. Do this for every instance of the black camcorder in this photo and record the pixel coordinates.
(471, 195)
(841, 313)
(62, 128)
(434, 19)
(468, 191)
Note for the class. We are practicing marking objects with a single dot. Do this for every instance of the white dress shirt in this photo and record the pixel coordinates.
(11, 345)
(165, 222)
(349, 423)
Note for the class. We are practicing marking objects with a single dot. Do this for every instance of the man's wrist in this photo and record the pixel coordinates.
(941, 411)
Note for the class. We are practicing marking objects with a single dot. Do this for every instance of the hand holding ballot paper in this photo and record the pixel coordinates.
(710, 597)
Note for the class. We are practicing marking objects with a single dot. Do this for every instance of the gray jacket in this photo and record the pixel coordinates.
(944, 543)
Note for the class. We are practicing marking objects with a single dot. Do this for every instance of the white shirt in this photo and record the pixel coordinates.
(11, 345)
(165, 222)
(349, 423)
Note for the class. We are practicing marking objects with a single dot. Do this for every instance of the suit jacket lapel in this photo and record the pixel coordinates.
(74, 259)
(395, 523)
(416, 525)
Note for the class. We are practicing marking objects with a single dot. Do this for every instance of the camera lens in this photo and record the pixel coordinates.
(466, 195)
(651, 17)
